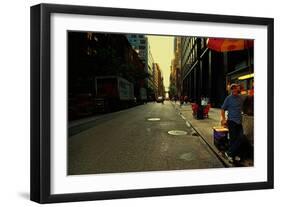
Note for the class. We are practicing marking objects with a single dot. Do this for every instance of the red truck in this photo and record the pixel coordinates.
(113, 93)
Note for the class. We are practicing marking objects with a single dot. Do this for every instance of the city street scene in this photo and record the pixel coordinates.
(140, 103)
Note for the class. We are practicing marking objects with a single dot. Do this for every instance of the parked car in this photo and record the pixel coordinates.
(160, 99)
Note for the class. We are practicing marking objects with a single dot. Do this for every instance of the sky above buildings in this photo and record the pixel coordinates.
(162, 49)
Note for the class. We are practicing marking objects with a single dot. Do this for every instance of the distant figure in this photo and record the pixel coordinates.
(185, 99)
(181, 100)
(204, 101)
(175, 99)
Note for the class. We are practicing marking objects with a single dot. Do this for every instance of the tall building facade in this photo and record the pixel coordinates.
(91, 55)
(140, 44)
(209, 73)
(158, 81)
(161, 90)
(176, 70)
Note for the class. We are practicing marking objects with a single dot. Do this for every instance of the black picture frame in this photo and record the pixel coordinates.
(40, 102)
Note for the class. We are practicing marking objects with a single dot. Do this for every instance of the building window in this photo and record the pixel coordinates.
(89, 35)
(202, 43)
(88, 50)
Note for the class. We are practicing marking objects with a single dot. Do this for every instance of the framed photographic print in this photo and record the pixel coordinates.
(133, 103)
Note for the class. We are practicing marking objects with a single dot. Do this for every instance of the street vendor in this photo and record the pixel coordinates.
(233, 105)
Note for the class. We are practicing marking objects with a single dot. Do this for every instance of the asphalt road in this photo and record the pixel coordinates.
(127, 141)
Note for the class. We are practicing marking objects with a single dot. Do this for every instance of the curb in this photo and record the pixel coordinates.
(212, 148)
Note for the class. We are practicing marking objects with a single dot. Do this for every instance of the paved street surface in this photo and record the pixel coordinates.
(127, 141)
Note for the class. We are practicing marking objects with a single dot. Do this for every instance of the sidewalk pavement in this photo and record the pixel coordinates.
(204, 127)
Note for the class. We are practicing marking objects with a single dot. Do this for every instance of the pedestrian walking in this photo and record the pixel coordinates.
(233, 105)
(175, 98)
(185, 99)
(181, 100)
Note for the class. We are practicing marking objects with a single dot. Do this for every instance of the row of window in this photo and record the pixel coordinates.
(135, 41)
(190, 50)
(138, 47)
(135, 36)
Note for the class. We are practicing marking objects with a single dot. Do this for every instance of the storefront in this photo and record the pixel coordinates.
(240, 70)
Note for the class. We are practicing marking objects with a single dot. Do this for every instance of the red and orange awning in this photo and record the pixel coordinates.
(226, 45)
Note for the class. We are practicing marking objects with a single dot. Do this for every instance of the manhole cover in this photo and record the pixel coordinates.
(177, 132)
(153, 119)
(187, 156)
